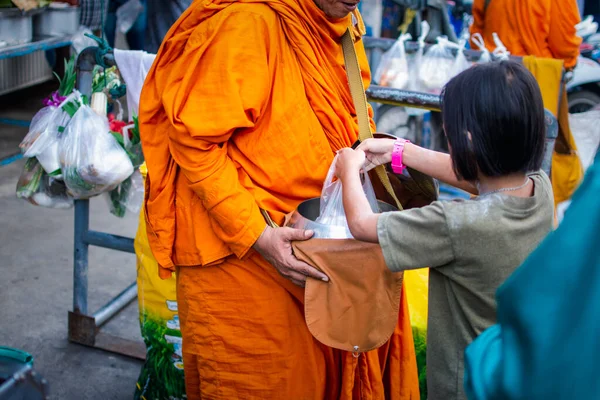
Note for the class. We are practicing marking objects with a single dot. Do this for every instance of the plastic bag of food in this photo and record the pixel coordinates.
(436, 67)
(415, 68)
(332, 205)
(45, 131)
(393, 67)
(40, 189)
(477, 40)
(128, 196)
(460, 62)
(92, 161)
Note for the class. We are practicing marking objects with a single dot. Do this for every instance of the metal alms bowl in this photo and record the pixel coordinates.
(305, 215)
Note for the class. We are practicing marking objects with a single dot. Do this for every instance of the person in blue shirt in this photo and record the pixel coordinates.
(546, 344)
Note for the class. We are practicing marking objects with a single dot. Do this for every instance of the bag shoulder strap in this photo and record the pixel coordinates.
(359, 98)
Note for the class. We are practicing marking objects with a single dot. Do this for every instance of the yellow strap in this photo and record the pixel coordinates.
(359, 98)
(409, 16)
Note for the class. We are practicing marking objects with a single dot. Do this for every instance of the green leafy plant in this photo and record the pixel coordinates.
(159, 379)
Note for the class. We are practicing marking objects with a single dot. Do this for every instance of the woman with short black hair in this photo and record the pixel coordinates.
(494, 122)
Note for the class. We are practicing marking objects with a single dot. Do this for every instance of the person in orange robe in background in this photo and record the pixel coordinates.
(243, 110)
(541, 28)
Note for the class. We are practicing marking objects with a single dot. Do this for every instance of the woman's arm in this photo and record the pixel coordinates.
(433, 163)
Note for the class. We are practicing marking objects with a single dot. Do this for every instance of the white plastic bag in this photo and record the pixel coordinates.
(92, 161)
(436, 68)
(79, 41)
(501, 52)
(393, 67)
(42, 140)
(477, 39)
(332, 206)
(415, 68)
(38, 138)
(460, 62)
(127, 14)
(128, 196)
(40, 189)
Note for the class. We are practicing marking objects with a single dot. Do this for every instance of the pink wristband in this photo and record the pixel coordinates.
(397, 166)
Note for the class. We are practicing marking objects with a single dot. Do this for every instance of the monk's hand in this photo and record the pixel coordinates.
(377, 152)
(349, 162)
(275, 245)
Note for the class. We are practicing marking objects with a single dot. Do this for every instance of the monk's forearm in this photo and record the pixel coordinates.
(361, 219)
(435, 164)
(235, 216)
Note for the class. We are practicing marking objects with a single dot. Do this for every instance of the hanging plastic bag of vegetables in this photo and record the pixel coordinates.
(92, 161)
(130, 194)
(40, 189)
(48, 124)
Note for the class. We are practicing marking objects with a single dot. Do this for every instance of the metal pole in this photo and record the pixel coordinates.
(80, 257)
(109, 241)
(113, 307)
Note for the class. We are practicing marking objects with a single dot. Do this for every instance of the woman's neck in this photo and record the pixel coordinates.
(518, 185)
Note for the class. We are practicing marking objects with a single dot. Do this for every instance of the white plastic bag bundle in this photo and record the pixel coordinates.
(501, 52)
(332, 206)
(393, 67)
(436, 68)
(460, 62)
(477, 39)
(127, 14)
(40, 189)
(92, 161)
(415, 68)
(45, 131)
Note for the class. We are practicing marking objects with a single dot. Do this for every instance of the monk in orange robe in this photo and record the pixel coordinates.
(243, 110)
(541, 28)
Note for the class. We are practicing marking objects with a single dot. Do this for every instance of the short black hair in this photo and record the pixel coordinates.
(500, 105)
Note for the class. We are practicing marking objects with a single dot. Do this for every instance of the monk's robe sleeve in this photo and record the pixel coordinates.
(562, 38)
(220, 93)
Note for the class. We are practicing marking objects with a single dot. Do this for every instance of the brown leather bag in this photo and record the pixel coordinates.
(357, 310)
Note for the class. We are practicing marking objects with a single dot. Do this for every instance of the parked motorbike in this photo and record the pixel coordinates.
(583, 88)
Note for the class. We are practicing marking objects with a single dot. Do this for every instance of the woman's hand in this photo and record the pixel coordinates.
(377, 152)
(349, 161)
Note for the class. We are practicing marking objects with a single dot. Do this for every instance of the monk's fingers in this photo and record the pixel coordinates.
(306, 270)
(297, 279)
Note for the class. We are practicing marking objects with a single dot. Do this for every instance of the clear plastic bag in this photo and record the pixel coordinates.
(436, 68)
(79, 41)
(92, 161)
(415, 68)
(42, 140)
(40, 189)
(128, 196)
(127, 14)
(477, 39)
(332, 205)
(460, 62)
(393, 68)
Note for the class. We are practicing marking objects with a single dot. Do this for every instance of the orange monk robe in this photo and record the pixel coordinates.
(243, 109)
(541, 28)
